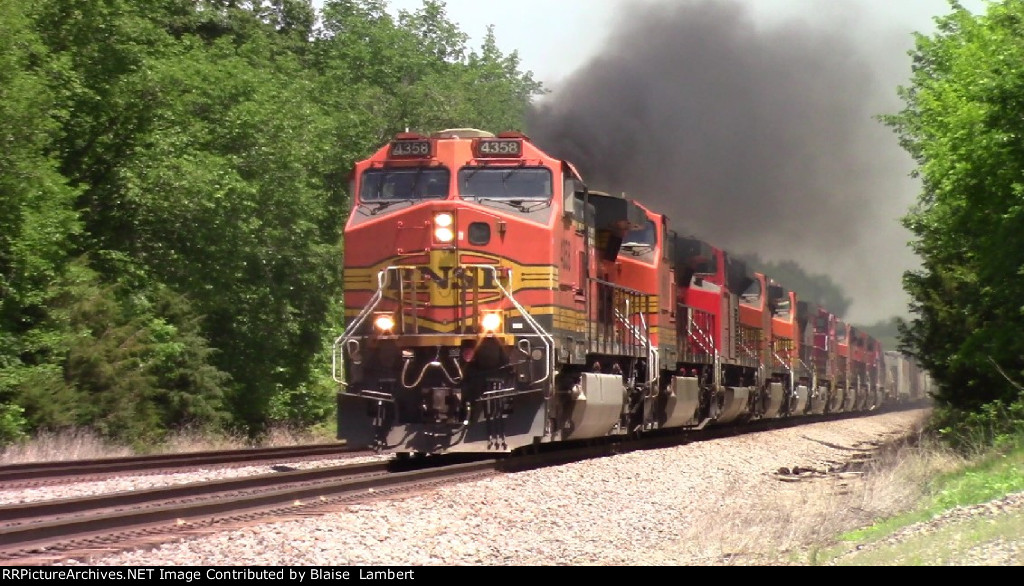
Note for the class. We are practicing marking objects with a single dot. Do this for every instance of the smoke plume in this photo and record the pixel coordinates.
(759, 139)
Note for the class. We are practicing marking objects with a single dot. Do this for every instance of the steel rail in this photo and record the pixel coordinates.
(68, 468)
(91, 516)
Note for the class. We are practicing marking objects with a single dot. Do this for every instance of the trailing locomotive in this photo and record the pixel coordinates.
(493, 302)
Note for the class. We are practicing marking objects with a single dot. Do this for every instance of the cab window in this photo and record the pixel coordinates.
(495, 182)
(404, 184)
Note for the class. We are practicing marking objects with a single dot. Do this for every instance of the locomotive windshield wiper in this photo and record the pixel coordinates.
(518, 204)
(469, 174)
(514, 203)
(379, 206)
(507, 174)
(416, 178)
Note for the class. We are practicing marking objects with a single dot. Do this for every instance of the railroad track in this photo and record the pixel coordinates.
(44, 473)
(51, 531)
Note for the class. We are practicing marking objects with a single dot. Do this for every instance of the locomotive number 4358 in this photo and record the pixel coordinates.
(499, 148)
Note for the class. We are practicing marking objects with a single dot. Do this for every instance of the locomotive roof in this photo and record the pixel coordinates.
(462, 133)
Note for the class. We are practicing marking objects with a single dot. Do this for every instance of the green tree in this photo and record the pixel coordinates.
(386, 74)
(38, 221)
(226, 206)
(963, 123)
(130, 363)
(140, 365)
(498, 92)
(178, 175)
(199, 154)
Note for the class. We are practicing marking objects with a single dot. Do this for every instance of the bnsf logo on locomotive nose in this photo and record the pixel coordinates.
(449, 277)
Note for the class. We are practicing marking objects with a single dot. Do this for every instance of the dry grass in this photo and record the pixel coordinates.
(190, 440)
(73, 444)
(797, 521)
(284, 436)
(83, 444)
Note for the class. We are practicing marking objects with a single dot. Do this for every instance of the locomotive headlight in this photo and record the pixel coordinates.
(384, 323)
(444, 220)
(444, 234)
(491, 321)
(444, 227)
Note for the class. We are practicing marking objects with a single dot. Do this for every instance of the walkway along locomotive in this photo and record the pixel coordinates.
(494, 302)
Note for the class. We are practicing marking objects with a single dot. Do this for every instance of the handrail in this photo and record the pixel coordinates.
(337, 355)
(705, 342)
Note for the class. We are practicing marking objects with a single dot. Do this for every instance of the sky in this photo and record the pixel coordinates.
(750, 123)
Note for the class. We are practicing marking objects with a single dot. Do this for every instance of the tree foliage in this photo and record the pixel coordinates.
(174, 186)
(963, 122)
(37, 217)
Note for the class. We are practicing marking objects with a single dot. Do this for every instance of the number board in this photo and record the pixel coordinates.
(410, 149)
(498, 147)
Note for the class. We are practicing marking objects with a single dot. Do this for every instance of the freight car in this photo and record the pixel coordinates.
(908, 382)
(494, 301)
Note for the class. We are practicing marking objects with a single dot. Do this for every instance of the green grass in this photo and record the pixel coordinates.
(993, 476)
(946, 546)
(985, 477)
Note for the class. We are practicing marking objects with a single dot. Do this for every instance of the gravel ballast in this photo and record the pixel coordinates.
(698, 504)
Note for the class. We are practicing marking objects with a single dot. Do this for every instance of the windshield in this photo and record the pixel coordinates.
(505, 183)
(645, 236)
(404, 184)
(782, 307)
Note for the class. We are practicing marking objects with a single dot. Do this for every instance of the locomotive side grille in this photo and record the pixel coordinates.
(783, 354)
(750, 345)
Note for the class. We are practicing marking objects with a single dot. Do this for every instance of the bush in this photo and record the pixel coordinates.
(12, 424)
(996, 424)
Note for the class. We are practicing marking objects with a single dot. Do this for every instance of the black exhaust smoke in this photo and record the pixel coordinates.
(756, 138)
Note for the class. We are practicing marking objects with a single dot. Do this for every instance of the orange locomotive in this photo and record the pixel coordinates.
(494, 302)
(485, 306)
(789, 359)
(722, 333)
(744, 337)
